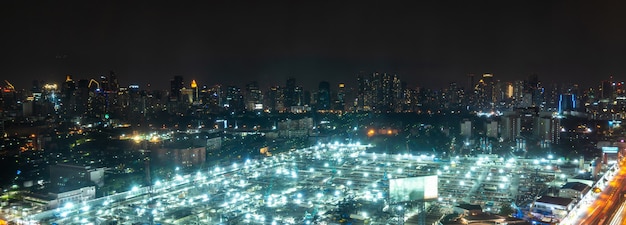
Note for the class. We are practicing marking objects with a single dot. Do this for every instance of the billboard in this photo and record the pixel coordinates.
(413, 188)
(610, 149)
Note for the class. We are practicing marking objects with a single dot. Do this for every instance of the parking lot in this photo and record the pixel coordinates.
(308, 184)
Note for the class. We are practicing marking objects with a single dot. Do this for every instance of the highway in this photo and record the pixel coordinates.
(607, 205)
(619, 215)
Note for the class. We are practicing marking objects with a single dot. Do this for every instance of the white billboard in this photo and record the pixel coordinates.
(413, 188)
(610, 149)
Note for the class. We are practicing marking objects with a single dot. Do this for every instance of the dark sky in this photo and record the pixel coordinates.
(429, 43)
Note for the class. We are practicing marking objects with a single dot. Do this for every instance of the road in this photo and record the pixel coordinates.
(607, 203)
(619, 216)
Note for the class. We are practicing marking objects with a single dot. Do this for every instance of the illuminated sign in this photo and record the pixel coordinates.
(413, 188)
(610, 149)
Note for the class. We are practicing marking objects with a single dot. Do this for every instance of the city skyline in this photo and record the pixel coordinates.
(313, 112)
(226, 42)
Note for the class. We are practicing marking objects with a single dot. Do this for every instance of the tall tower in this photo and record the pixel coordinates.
(194, 87)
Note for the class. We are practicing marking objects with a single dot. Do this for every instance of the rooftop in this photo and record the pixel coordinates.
(555, 200)
(576, 186)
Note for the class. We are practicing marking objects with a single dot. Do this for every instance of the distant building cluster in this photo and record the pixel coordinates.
(375, 92)
(520, 109)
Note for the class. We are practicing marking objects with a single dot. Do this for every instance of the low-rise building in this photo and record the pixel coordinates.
(60, 196)
(554, 206)
(574, 190)
(81, 175)
(468, 209)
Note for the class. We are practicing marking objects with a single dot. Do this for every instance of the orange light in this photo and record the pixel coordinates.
(371, 132)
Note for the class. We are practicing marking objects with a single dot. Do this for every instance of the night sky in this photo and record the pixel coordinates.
(428, 44)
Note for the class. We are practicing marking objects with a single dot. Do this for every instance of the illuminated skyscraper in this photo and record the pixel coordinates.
(194, 87)
(567, 102)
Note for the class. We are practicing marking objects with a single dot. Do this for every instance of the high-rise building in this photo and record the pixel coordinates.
(275, 99)
(253, 97)
(471, 84)
(114, 85)
(466, 128)
(83, 98)
(340, 103)
(567, 102)
(452, 96)
(511, 126)
(68, 99)
(546, 129)
(489, 85)
(212, 97)
(298, 96)
(289, 92)
(606, 89)
(2, 131)
(323, 96)
(492, 129)
(361, 88)
(233, 101)
(176, 85)
(196, 92)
